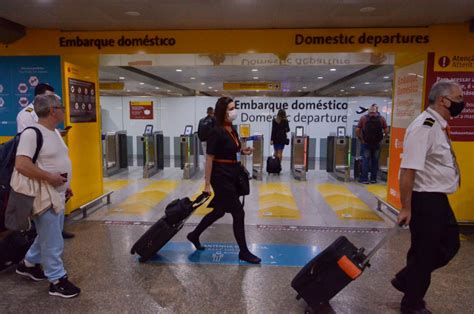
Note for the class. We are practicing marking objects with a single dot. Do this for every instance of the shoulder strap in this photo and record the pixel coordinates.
(39, 142)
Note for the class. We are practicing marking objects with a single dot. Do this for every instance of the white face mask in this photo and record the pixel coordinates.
(232, 115)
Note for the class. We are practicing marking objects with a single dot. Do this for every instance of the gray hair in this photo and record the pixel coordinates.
(42, 103)
(441, 88)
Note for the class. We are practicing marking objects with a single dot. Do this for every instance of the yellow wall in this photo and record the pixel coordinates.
(463, 200)
(84, 139)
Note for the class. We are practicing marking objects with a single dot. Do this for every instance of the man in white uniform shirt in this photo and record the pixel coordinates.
(27, 117)
(429, 172)
(54, 167)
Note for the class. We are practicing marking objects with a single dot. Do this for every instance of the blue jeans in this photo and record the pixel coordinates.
(370, 159)
(49, 244)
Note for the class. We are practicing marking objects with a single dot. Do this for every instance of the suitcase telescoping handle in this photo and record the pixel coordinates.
(382, 242)
(201, 199)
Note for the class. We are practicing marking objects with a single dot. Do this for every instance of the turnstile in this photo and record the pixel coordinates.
(257, 157)
(383, 160)
(341, 162)
(189, 144)
(153, 153)
(299, 154)
(115, 152)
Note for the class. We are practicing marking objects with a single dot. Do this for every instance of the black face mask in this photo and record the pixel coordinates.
(456, 108)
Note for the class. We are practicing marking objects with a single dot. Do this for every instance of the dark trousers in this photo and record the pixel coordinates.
(434, 242)
(370, 161)
(238, 216)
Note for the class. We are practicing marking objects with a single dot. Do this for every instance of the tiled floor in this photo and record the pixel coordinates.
(280, 212)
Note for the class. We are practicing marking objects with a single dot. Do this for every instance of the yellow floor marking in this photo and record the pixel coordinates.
(276, 202)
(147, 198)
(115, 185)
(345, 204)
(378, 190)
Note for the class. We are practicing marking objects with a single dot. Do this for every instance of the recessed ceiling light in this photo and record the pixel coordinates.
(179, 70)
(210, 87)
(304, 87)
(332, 70)
(367, 9)
(203, 83)
(386, 77)
(128, 91)
(255, 77)
(352, 87)
(254, 70)
(299, 90)
(121, 78)
(132, 13)
(257, 90)
(385, 90)
(342, 90)
(157, 87)
(141, 83)
(320, 77)
(168, 90)
(192, 78)
(367, 83)
(216, 90)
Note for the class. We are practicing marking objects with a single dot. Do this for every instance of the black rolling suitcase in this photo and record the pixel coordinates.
(332, 270)
(176, 214)
(13, 247)
(273, 165)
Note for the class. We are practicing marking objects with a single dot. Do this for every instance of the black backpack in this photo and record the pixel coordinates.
(7, 163)
(372, 133)
(206, 124)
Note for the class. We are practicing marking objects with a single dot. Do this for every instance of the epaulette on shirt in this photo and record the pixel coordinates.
(429, 122)
(29, 109)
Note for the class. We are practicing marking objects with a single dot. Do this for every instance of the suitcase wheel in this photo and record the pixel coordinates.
(298, 297)
(309, 310)
(142, 260)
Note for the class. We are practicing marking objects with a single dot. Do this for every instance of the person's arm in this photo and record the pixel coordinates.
(358, 129)
(385, 127)
(26, 167)
(207, 173)
(287, 128)
(407, 180)
(272, 137)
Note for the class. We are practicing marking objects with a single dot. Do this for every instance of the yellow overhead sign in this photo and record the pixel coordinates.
(265, 86)
(111, 85)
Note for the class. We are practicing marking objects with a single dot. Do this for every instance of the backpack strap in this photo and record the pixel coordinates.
(39, 142)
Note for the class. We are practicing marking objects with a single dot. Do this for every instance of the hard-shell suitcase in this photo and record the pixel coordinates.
(273, 165)
(163, 230)
(14, 246)
(332, 270)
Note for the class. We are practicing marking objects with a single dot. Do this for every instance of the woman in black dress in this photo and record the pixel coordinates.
(278, 139)
(221, 171)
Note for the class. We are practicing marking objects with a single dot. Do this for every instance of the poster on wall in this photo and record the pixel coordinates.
(141, 110)
(18, 78)
(408, 98)
(82, 106)
(444, 67)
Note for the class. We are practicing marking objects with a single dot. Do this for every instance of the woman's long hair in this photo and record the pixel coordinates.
(281, 115)
(221, 110)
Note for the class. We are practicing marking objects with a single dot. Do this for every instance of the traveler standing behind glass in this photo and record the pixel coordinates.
(370, 131)
(222, 167)
(278, 139)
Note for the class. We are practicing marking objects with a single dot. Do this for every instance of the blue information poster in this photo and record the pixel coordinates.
(18, 78)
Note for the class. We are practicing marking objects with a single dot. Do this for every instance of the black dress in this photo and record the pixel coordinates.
(224, 146)
(279, 131)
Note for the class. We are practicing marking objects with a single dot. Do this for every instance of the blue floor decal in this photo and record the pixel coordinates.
(227, 254)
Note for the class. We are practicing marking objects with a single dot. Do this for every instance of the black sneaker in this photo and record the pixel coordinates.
(249, 257)
(35, 273)
(64, 289)
(373, 182)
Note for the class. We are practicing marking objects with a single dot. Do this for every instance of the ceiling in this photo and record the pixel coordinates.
(322, 80)
(75, 15)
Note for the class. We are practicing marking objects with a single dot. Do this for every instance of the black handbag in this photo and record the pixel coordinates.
(180, 209)
(243, 181)
(287, 141)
